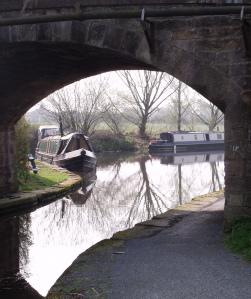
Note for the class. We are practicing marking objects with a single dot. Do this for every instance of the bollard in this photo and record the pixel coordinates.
(33, 164)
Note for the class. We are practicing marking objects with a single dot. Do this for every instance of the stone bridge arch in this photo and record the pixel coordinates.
(40, 59)
(207, 53)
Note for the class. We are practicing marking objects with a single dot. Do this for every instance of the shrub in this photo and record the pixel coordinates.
(22, 149)
(33, 138)
(239, 240)
(106, 141)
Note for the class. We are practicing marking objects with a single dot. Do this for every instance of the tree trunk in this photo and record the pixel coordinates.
(142, 127)
(211, 126)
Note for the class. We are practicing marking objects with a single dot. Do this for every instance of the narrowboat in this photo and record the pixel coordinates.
(184, 141)
(72, 151)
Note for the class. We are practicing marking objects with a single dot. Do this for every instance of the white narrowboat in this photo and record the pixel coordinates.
(187, 142)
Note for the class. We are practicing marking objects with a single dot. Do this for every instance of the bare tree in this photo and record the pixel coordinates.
(208, 114)
(112, 118)
(78, 106)
(179, 104)
(147, 91)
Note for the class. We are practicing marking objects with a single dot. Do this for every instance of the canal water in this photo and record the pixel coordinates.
(38, 246)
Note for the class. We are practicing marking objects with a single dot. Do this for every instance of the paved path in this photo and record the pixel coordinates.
(186, 261)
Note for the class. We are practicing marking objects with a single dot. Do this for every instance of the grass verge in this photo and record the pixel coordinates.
(239, 240)
(46, 177)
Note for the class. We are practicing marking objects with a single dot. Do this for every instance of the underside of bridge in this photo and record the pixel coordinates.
(207, 53)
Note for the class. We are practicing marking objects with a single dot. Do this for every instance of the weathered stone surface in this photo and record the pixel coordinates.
(231, 213)
(7, 157)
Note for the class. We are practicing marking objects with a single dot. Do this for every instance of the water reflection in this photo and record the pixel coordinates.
(212, 159)
(18, 238)
(129, 189)
(14, 255)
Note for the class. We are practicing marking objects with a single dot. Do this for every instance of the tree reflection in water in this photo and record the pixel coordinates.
(148, 199)
(127, 191)
(216, 183)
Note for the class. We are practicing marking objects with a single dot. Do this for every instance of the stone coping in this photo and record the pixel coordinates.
(30, 199)
(169, 218)
(87, 276)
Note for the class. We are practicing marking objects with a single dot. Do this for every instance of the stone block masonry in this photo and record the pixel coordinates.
(8, 181)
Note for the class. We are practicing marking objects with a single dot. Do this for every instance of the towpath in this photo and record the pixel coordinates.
(187, 260)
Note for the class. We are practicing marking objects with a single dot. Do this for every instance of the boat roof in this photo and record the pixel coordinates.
(71, 134)
(48, 127)
(66, 137)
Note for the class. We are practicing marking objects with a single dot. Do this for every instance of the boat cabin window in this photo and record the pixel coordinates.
(77, 142)
(42, 146)
(166, 136)
(62, 145)
(188, 137)
(53, 146)
(49, 132)
(49, 146)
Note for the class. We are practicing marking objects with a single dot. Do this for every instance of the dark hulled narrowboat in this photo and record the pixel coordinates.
(175, 142)
(72, 151)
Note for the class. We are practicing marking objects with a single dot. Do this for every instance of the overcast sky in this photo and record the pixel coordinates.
(115, 85)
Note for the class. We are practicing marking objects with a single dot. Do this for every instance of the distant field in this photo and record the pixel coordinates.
(156, 128)
(153, 129)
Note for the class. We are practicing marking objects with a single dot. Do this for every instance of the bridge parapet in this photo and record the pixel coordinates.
(28, 5)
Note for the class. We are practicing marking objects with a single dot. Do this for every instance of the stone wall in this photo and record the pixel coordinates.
(237, 160)
(7, 161)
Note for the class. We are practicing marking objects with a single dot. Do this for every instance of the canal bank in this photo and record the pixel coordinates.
(178, 254)
(27, 200)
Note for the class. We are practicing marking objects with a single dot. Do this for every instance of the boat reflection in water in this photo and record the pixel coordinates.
(181, 159)
(80, 197)
(128, 190)
(189, 158)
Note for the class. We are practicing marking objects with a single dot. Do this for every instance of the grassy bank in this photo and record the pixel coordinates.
(239, 240)
(46, 177)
